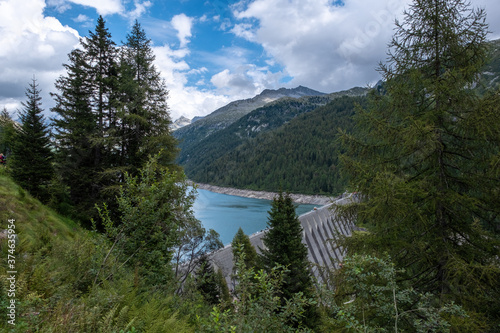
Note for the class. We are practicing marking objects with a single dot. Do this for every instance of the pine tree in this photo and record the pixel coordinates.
(422, 156)
(31, 163)
(75, 128)
(284, 247)
(210, 283)
(146, 121)
(7, 133)
(242, 240)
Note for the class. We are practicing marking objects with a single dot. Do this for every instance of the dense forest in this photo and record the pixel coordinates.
(191, 135)
(98, 232)
(216, 158)
(261, 151)
(300, 156)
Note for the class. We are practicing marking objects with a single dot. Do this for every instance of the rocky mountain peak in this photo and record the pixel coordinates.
(180, 122)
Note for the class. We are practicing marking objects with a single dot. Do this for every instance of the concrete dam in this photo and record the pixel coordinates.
(321, 230)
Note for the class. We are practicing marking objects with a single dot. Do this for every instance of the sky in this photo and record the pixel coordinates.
(209, 52)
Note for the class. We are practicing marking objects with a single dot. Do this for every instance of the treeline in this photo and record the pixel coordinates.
(111, 113)
(300, 156)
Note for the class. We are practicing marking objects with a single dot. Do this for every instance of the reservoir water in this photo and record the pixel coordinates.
(226, 213)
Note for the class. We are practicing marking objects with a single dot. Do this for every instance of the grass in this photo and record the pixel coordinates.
(56, 262)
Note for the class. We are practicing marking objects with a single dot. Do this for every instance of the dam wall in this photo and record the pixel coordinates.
(321, 230)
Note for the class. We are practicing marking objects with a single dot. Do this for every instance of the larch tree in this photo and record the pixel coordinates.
(423, 157)
(31, 163)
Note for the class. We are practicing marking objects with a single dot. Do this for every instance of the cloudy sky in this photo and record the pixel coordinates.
(209, 52)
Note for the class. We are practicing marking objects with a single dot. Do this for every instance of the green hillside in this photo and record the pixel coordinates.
(189, 136)
(56, 262)
(300, 156)
(199, 159)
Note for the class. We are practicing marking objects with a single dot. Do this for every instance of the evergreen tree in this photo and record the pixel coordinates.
(7, 133)
(209, 283)
(423, 155)
(112, 113)
(86, 122)
(75, 127)
(242, 241)
(101, 63)
(284, 247)
(143, 97)
(31, 163)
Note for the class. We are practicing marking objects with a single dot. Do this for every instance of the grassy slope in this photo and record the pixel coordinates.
(56, 263)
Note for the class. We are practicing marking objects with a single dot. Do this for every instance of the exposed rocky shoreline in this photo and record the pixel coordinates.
(297, 198)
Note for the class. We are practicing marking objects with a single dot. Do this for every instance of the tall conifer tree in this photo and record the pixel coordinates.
(144, 104)
(75, 128)
(31, 163)
(284, 246)
(87, 119)
(422, 157)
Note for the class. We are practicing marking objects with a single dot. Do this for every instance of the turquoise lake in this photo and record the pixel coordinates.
(226, 213)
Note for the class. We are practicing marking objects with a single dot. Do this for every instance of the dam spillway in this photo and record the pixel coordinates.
(321, 231)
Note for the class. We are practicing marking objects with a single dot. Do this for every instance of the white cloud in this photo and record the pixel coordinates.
(81, 18)
(182, 24)
(244, 30)
(84, 21)
(31, 44)
(245, 81)
(184, 100)
(239, 80)
(140, 8)
(328, 47)
(320, 45)
(60, 5)
(103, 7)
(106, 7)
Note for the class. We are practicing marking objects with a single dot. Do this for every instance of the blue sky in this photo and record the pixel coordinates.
(209, 52)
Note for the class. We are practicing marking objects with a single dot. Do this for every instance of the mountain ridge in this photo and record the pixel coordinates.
(199, 159)
(228, 114)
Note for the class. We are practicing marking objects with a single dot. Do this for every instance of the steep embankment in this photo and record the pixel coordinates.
(52, 268)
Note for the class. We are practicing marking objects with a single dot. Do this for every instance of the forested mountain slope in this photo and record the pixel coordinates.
(490, 76)
(56, 264)
(197, 159)
(190, 135)
(300, 156)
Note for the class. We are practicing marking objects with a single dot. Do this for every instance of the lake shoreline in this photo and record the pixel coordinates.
(319, 200)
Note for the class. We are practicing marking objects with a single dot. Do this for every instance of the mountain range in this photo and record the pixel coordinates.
(282, 139)
(209, 141)
(191, 134)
